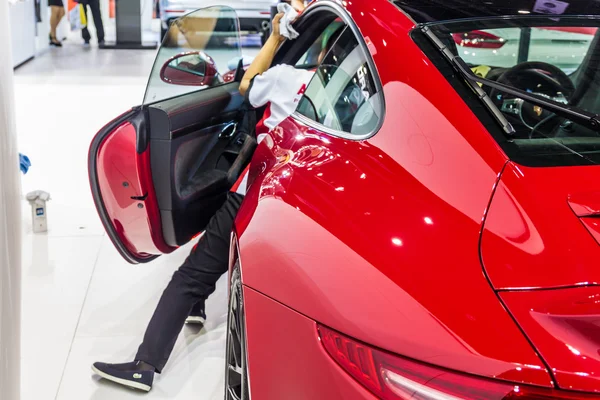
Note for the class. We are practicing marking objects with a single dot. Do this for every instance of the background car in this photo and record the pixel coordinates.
(411, 231)
(254, 15)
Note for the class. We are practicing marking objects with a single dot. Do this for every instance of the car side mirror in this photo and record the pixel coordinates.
(190, 69)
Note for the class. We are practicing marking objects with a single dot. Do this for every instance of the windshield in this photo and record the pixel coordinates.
(555, 58)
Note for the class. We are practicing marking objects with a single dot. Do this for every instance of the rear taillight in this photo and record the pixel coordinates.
(478, 40)
(391, 377)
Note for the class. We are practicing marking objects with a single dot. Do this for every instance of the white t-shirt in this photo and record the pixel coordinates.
(282, 86)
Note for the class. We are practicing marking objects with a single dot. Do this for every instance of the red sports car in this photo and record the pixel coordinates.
(424, 226)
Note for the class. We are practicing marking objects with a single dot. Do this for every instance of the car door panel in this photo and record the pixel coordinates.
(174, 117)
(160, 172)
(118, 178)
(190, 182)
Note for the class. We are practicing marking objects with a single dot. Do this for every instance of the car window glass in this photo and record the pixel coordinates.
(199, 51)
(562, 46)
(342, 95)
(310, 59)
(553, 59)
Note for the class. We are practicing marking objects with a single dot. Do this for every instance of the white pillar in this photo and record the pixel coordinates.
(10, 223)
(43, 28)
(147, 8)
(22, 25)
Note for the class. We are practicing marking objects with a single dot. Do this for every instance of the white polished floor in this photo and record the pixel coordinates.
(81, 302)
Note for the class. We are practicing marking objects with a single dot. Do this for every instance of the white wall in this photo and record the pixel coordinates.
(43, 28)
(10, 223)
(22, 26)
(146, 9)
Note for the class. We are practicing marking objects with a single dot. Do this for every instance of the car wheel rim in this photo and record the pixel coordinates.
(235, 374)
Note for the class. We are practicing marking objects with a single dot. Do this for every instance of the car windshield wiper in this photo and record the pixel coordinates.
(575, 114)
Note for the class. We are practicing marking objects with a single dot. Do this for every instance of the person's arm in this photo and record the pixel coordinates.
(263, 60)
(298, 5)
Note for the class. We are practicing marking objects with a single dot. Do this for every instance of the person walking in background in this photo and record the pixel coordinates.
(97, 16)
(58, 12)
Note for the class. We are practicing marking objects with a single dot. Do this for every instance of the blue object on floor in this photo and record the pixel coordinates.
(24, 163)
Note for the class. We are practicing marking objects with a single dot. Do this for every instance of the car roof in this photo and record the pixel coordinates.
(424, 11)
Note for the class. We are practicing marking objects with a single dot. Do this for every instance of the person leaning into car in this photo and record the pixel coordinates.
(184, 297)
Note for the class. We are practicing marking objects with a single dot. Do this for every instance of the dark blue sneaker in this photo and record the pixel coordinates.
(195, 320)
(136, 374)
(197, 315)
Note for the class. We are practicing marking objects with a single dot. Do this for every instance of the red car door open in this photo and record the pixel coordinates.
(160, 171)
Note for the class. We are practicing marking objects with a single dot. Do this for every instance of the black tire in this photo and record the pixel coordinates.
(236, 366)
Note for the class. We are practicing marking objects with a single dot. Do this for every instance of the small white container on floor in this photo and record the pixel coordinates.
(39, 215)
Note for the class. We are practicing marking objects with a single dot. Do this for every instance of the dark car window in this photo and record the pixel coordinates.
(553, 58)
(342, 95)
(310, 59)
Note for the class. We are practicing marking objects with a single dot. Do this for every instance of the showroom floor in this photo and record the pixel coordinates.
(81, 302)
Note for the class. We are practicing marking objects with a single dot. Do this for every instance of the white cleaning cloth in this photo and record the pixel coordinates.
(233, 63)
(285, 25)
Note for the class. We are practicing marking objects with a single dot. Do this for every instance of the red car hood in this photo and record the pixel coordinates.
(540, 249)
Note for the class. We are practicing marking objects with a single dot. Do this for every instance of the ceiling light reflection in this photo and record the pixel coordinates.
(574, 350)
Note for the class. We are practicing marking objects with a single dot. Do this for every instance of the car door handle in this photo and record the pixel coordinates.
(140, 198)
(228, 130)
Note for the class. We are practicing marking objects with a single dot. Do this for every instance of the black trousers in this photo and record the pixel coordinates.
(190, 285)
(95, 7)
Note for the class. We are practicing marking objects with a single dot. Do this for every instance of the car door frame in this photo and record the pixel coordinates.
(291, 51)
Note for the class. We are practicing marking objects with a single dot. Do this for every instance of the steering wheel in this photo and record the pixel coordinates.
(554, 76)
(549, 75)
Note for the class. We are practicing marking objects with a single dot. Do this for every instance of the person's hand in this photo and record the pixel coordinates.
(298, 5)
(275, 31)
